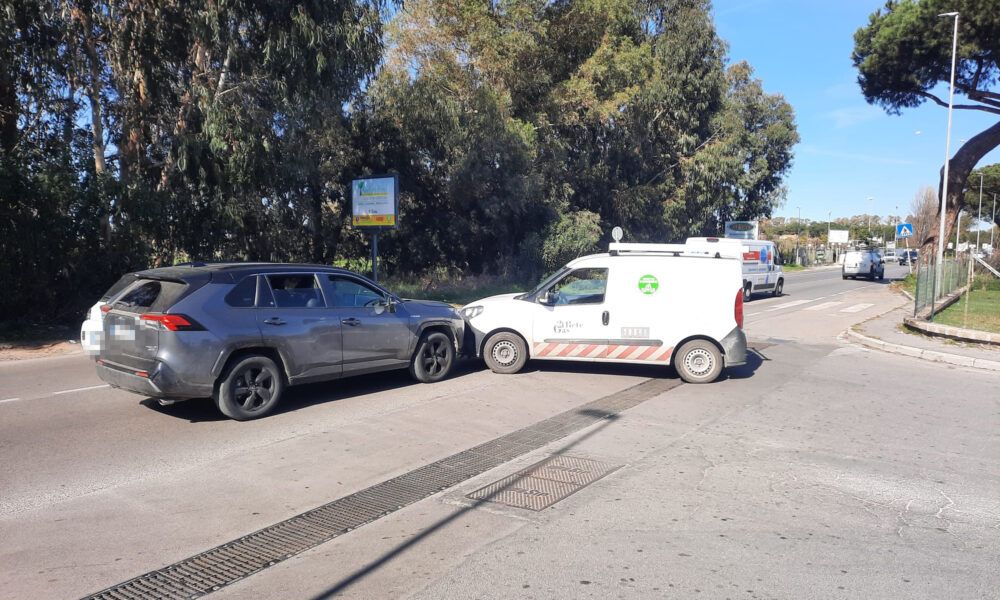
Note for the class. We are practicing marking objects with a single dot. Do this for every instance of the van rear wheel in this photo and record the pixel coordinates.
(505, 353)
(698, 361)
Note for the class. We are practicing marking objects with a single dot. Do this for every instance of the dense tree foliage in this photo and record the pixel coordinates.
(905, 52)
(147, 133)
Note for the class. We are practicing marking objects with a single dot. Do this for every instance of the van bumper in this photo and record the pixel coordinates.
(734, 346)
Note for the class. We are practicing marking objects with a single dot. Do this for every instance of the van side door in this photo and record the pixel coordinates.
(571, 318)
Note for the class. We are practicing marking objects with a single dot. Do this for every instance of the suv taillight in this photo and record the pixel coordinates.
(173, 322)
(738, 308)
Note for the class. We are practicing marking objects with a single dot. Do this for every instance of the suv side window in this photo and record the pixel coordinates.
(244, 294)
(581, 286)
(300, 290)
(350, 292)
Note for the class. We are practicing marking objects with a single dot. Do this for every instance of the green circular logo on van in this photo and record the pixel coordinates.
(648, 284)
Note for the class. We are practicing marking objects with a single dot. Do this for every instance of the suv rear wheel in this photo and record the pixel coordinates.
(433, 359)
(250, 388)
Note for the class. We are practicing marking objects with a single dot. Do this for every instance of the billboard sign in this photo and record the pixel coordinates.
(741, 230)
(839, 236)
(375, 201)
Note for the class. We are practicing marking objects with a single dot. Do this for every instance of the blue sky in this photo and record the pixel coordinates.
(849, 150)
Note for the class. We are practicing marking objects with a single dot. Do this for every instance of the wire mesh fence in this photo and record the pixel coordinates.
(954, 274)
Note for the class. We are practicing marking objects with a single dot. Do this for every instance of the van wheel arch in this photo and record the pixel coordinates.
(697, 337)
(482, 345)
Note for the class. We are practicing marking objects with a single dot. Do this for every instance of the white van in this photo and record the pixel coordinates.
(640, 303)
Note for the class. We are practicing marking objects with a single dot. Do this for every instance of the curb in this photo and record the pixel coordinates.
(955, 333)
(931, 355)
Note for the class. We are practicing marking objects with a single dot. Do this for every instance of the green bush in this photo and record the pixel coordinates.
(574, 234)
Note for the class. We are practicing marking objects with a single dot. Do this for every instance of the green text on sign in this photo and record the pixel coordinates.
(648, 284)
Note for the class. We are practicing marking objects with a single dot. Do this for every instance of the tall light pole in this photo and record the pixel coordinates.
(979, 218)
(829, 226)
(870, 199)
(947, 154)
(798, 234)
(958, 230)
(993, 223)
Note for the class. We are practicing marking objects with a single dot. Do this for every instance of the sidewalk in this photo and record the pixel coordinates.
(886, 332)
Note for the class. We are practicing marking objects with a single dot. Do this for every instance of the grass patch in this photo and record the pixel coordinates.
(908, 284)
(454, 290)
(977, 309)
(792, 268)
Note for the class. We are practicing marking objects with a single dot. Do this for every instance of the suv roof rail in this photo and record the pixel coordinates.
(196, 263)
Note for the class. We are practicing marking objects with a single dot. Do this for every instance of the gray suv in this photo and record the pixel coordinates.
(242, 332)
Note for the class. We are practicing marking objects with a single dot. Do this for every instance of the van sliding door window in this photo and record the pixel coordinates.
(581, 286)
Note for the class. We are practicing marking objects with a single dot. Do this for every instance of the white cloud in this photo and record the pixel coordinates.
(853, 115)
(852, 156)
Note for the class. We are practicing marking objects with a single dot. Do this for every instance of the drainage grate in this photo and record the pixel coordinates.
(544, 483)
(213, 569)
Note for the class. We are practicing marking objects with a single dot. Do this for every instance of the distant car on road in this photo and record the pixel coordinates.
(908, 257)
(242, 332)
(890, 256)
(863, 263)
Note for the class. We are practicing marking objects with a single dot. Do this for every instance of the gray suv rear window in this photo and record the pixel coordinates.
(244, 294)
(150, 295)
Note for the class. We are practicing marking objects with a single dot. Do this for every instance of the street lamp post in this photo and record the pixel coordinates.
(993, 223)
(870, 219)
(947, 154)
(829, 226)
(979, 218)
(958, 230)
(798, 233)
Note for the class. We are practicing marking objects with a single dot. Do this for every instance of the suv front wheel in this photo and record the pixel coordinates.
(250, 388)
(433, 359)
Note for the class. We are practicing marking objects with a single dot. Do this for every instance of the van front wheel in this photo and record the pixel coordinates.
(779, 287)
(505, 353)
(698, 361)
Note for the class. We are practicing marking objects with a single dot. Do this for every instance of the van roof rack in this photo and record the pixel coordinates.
(617, 248)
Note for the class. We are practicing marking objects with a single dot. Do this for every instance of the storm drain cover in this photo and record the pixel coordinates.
(544, 483)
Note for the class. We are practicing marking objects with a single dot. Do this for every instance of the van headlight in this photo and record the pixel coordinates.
(471, 312)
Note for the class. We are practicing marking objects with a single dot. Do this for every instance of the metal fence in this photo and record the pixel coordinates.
(955, 274)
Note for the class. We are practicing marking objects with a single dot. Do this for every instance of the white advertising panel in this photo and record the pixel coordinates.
(839, 236)
(741, 230)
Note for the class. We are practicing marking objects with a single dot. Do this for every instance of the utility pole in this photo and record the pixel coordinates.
(947, 156)
(979, 219)
(958, 231)
(993, 223)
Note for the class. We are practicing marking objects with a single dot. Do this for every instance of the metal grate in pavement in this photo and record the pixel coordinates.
(235, 560)
(544, 483)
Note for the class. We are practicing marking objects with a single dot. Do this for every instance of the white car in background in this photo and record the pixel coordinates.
(863, 263)
(92, 330)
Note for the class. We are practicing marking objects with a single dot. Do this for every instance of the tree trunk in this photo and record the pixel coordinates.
(318, 249)
(94, 93)
(8, 111)
(959, 168)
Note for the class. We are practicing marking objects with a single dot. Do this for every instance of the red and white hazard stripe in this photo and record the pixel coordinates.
(602, 351)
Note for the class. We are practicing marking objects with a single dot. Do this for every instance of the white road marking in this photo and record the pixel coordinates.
(856, 308)
(9, 400)
(824, 306)
(789, 305)
(83, 389)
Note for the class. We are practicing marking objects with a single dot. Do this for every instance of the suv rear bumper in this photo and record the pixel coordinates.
(734, 346)
(162, 382)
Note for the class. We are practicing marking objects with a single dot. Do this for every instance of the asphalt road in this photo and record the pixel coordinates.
(819, 470)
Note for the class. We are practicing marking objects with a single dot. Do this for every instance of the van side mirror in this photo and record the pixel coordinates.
(548, 298)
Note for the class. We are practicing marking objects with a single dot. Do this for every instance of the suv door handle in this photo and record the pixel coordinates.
(274, 321)
(606, 318)
(351, 321)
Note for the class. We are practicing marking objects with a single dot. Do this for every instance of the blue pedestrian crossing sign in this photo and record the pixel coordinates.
(904, 230)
